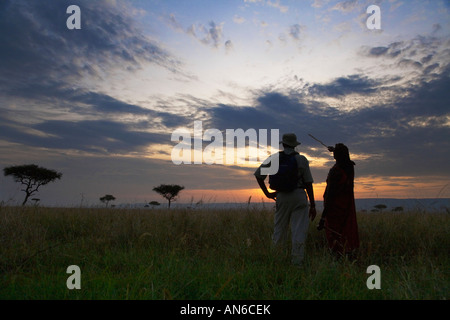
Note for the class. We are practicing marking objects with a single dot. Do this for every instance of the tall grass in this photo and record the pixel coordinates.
(212, 254)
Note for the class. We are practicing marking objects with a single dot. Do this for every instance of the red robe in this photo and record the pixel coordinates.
(340, 213)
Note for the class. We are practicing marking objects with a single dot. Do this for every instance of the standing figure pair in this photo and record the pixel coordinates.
(294, 185)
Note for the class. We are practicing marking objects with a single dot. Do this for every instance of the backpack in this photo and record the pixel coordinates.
(286, 179)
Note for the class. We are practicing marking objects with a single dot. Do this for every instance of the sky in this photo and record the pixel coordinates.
(100, 103)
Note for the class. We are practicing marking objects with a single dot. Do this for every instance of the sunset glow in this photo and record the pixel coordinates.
(101, 103)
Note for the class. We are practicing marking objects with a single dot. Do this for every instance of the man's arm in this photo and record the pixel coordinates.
(312, 202)
(262, 185)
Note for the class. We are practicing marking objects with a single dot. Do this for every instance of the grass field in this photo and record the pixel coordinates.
(215, 254)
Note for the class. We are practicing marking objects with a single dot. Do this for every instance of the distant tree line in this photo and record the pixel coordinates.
(32, 177)
(168, 191)
(381, 207)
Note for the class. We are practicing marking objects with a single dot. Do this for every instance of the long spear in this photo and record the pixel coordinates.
(318, 140)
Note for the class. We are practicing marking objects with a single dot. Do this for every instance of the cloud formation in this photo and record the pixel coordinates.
(39, 36)
(296, 31)
(346, 6)
(392, 110)
(345, 85)
(399, 134)
(43, 64)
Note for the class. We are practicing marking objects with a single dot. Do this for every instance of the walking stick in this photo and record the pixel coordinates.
(333, 231)
(318, 140)
(323, 226)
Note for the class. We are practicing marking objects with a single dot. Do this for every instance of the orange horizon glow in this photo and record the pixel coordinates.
(365, 188)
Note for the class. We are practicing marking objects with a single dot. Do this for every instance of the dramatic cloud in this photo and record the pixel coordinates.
(39, 45)
(41, 60)
(399, 135)
(346, 85)
(420, 50)
(101, 102)
(95, 136)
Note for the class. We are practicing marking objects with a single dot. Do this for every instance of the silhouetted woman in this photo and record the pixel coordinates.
(339, 214)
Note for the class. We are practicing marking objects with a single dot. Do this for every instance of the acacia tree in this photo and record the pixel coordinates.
(168, 191)
(32, 177)
(380, 207)
(107, 198)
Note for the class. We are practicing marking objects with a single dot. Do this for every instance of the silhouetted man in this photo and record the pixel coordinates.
(291, 201)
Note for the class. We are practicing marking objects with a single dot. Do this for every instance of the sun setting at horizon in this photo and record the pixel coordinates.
(112, 100)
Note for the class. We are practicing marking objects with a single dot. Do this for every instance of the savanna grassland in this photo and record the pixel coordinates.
(212, 254)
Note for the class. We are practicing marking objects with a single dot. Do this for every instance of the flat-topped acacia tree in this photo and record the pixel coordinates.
(168, 191)
(32, 177)
(107, 198)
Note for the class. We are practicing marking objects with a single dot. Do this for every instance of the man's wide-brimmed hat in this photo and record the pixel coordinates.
(290, 139)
